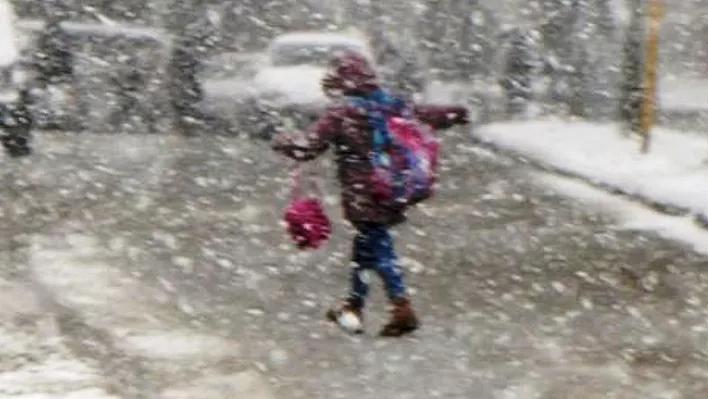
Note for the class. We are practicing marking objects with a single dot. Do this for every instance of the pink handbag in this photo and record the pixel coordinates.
(307, 222)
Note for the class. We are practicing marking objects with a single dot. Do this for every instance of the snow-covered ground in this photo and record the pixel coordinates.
(683, 94)
(36, 362)
(629, 215)
(673, 173)
(85, 330)
(523, 292)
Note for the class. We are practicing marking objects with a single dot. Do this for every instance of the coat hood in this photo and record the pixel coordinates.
(352, 74)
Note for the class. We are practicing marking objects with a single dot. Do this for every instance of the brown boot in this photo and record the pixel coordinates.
(334, 315)
(403, 319)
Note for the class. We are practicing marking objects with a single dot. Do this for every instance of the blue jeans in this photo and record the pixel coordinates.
(374, 250)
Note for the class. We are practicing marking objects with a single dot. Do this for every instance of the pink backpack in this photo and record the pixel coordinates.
(405, 156)
(406, 172)
(307, 222)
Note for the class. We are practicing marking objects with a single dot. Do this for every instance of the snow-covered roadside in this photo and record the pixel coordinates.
(81, 328)
(683, 94)
(673, 175)
(35, 362)
(85, 276)
(628, 214)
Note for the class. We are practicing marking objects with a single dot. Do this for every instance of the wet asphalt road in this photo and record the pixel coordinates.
(522, 293)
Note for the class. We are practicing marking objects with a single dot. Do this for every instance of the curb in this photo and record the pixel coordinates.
(701, 220)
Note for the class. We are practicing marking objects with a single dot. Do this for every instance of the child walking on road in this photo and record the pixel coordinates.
(347, 129)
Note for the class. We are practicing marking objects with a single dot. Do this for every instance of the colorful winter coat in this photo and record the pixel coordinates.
(347, 130)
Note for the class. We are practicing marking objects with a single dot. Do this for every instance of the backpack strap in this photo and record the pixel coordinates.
(378, 123)
(377, 105)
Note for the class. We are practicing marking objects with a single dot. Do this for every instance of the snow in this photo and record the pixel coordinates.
(247, 384)
(84, 275)
(68, 267)
(90, 393)
(683, 94)
(175, 345)
(673, 173)
(630, 215)
(300, 84)
(320, 38)
(102, 28)
(36, 364)
(8, 37)
(55, 377)
(354, 39)
(296, 84)
(621, 11)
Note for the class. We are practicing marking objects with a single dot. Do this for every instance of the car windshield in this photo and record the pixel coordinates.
(319, 54)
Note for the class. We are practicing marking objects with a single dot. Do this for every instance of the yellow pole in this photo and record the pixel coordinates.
(648, 110)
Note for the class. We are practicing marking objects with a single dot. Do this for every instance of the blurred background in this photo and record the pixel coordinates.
(570, 54)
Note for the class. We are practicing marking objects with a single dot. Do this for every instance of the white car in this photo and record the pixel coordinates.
(282, 83)
(285, 80)
(226, 80)
(296, 63)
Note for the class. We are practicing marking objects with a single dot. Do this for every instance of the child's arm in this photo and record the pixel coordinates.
(316, 140)
(441, 116)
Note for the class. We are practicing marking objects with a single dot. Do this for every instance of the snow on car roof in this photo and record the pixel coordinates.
(320, 37)
(104, 29)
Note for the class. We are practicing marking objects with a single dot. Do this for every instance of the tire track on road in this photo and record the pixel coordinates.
(145, 345)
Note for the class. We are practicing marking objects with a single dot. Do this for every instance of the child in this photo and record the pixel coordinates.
(348, 130)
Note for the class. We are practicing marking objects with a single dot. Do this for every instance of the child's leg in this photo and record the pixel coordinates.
(386, 262)
(363, 259)
(403, 318)
(373, 249)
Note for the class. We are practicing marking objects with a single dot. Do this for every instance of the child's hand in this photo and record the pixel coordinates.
(268, 132)
(459, 116)
(281, 141)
